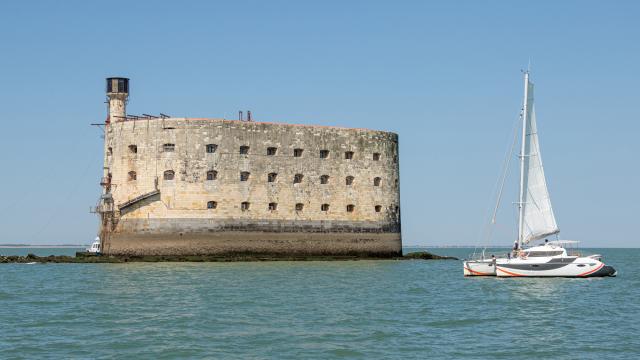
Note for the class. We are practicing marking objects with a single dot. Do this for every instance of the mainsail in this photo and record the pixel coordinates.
(537, 220)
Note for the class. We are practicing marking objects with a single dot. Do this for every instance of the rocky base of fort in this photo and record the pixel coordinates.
(88, 258)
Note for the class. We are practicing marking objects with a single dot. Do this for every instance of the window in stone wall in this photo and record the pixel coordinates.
(297, 152)
(348, 155)
(211, 148)
(396, 183)
(169, 147)
(132, 176)
(324, 154)
(244, 150)
(351, 207)
(272, 151)
(212, 175)
(376, 181)
(245, 206)
(212, 204)
(324, 207)
(133, 149)
(349, 180)
(378, 208)
(169, 175)
(299, 206)
(273, 206)
(244, 176)
(324, 179)
(109, 151)
(297, 178)
(395, 159)
(376, 156)
(272, 177)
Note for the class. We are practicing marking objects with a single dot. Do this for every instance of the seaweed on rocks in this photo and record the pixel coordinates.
(87, 258)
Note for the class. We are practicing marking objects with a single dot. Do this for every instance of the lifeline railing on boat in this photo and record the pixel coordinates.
(485, 256)
(481, 256)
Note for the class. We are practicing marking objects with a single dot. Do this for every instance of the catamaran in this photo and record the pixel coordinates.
(536, 221)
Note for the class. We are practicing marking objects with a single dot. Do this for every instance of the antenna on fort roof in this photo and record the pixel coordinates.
(248, 115)
(240, 115)
(117, 96)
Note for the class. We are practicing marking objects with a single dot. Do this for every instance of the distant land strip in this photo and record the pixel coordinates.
(21, 246)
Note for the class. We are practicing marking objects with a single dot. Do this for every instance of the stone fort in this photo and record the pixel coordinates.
(194, 186)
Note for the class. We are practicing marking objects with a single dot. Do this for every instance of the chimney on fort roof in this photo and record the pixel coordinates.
(118, 95)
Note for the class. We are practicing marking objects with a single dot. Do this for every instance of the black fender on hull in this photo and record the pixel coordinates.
(604, 271)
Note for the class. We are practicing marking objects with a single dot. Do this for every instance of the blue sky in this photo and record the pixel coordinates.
(445, 75)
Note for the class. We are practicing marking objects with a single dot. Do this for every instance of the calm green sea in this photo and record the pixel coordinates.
(307, 310)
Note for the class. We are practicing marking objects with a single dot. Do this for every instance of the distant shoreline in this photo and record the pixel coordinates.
(25, 246)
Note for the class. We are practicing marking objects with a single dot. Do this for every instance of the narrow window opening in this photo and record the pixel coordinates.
(348, 155)
(299, 206)
(349, 180)
(132, 176)
(169, 175)
(351, 207)
(324, 179)
(211, 148)
(212, 205)
(376, 156)
(273, 206)
(133, 149)
(244, 150)
(272, 177)
(376, 181)
(271, 151)
(244, 176)
(297, 178)
(245, 206)
(324, 154)
(169, 147)
(378, 208)
(212, 175)
(297, 152)
(324, 207)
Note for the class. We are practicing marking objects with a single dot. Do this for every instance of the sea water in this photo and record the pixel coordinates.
(322, 310)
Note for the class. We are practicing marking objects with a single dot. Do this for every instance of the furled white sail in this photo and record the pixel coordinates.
(538, 219)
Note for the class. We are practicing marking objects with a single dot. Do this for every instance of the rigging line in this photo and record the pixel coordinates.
(487, 230)
(506, 163)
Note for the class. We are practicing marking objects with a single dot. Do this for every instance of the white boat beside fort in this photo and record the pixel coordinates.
(536, 221)
(94, 248)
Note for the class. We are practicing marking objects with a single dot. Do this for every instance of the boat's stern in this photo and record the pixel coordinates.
(479, 268)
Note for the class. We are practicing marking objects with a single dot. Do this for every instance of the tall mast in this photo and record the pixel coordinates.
(521, 198)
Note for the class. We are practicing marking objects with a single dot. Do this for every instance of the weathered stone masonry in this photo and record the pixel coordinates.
(213, 186)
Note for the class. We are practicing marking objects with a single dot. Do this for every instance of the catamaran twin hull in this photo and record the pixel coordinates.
(479, 268)
(581, 267)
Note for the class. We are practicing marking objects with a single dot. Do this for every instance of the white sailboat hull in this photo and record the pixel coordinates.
(553, 267)
(479, 268)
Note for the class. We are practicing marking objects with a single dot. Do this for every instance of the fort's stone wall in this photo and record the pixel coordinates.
(362, 218)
